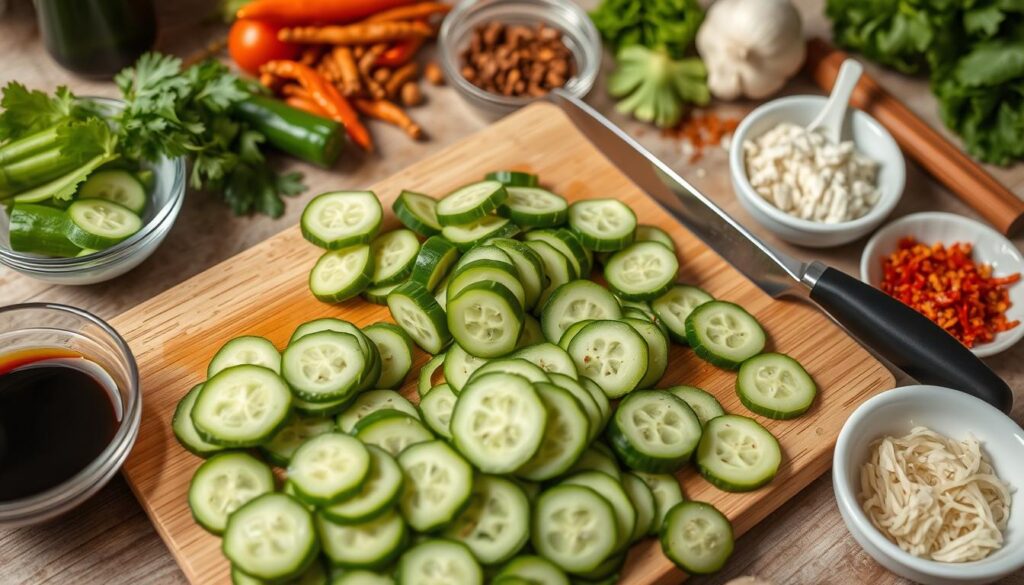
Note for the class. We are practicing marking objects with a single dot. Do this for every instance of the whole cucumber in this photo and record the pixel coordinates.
(303, 135)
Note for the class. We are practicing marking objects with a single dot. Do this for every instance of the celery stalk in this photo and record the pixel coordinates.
(28, 145)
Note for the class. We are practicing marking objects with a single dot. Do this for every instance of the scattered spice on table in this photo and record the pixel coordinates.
(517, 60)
(946, 285)
(701, 131)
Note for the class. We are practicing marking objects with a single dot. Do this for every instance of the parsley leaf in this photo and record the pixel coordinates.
(26, 112)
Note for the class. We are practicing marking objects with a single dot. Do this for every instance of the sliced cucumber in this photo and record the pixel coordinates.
(394, 255)
(434, 260)
(323, 324)
(650, 233)
(392, 431)
(485, 252)
(775, 385)
(467, 235)
(697, 538)
(643, 502)
(377, 496)
(596, 458)
(496, 523)
(654, 431)
(534, 207)
(438, 484)
(341, 274)
(41, 229)
(436, 409)
(417, 212)
(603, 225)
(223, 484)
(574, 527)
(307, 408)
(724, 334)
(439, 562)
(249, 349)
(666, 491)
(329, 468)
(704, 405)
(499, 422)
(571, 332)
(272, 537)
(395, 350)
(512, 365)
(611, 490)
(737, 454)
(378, 295)
(594, 415)
(487, 271)
(115, 185)
(612, 354)
(534, 569)
(557, 268)
(367, 545)
(241, 406)
(185, 431)
(425, 381)
(675, 306)
(294, 433)
(369, 376)
(513, 178)
(657, 350)
(642, 271)
(528, 266)
(565, 435)
(532, 334)
(549, 358)
(485, 319)
(373, 401)
(568, 244)
(362, 577)
(576, 301)
(341, 219)
(100, 224)
(459, 365)
(324, 366)
(417, 312)
(470, 203)
(600, 398)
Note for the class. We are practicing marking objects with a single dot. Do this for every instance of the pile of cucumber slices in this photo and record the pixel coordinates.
(538, 450)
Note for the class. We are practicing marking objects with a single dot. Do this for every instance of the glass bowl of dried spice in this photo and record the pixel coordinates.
(500, 55)
(956, 271)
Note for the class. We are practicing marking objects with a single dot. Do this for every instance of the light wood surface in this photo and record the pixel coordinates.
(110, 540)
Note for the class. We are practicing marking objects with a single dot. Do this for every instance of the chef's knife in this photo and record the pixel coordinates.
(904, 337)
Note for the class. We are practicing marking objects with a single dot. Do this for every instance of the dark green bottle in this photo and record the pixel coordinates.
(96, 38)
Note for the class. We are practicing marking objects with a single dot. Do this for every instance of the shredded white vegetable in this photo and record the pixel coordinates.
(935, 497)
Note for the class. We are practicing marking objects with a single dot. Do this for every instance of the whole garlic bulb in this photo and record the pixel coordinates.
(750, 47)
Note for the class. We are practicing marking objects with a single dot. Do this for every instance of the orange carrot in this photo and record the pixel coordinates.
(405, 73)
(411, 12)
(347, 70)
(293, 12)
(362, 33)
(305, 105)
(392, 114)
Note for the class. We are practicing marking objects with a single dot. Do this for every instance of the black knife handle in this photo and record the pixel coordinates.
(908, 339)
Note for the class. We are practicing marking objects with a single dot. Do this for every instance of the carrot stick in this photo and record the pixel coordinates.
(297, 12)
(398, 79)
(366, 64)
(295, 90)
(347, 70)
(306, 106)
(392, 114)
(411, 12)
(356, 34)
(326, 96)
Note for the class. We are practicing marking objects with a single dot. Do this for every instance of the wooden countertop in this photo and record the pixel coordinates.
(109, 539)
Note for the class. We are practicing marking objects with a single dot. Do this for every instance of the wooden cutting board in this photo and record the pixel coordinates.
(263, 292)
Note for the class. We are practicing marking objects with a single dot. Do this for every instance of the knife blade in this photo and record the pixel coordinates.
(898, 333)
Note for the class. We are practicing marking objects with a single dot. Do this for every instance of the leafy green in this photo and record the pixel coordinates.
(657, 24)
(26, 112)
(652, 86)
(90, 141)
(972, 50)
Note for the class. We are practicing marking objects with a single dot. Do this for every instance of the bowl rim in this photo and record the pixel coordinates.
(121, 250)
(737, 166)
(858, 523)
(1004, 340)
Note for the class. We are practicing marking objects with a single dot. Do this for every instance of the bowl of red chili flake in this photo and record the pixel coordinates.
(960, 273)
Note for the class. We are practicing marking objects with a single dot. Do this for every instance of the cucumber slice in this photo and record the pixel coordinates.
(115, 185)
(600, 398)
(223, 484)
(574, 527)
(436, 409)
(324, 366)
(485, 319)
(666, 491)
(373, 401)
(496, 523)
(280, 449)
(528, 266)
(100, 224)
(549, 358)
(438, 484)
(272, 537)
(394, 255)
(439, 562)
(565, 435)
(392, 431)
(642, 271)
(417, 312)
(532, 334)
(307, 408)
(643, 502)
(697, 538)
(673, 307)
(605, 573)
(40, 229)
(775, 385)
(534, 569)
(341, 219)
(417, 212)
(435, 258)
(367, 545)
(594, 415)
(470, 203)
(654, 431)
(557, 268)
(487, 271)
(704, 405)
(329, 468)
(576, 301)
(534, 207)
(395, 350)
(459, 365)
(650, 233)
(611, 490)
(369, 376)
(441, 295)
(612, 354)
(249, 349)
(361, 577)
(485, 252)
(499, 422)
(597, 457)
(467, 235)
(185, 431)
(425, 380)
(379, 493)
(378, 295)
(241, 406)
(657, 350)
(568, 244)
(737, 454)
(513, 178)
(603, 225)
(511, 365)
(724, 334)
(571, 332)
(339, 275)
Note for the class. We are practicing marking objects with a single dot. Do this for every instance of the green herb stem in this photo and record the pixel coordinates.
(28, 145)
(35, 169)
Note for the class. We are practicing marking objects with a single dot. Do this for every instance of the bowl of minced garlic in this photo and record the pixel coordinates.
(927, 480)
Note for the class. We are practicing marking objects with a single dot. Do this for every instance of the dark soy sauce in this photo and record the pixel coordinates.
(57, 414)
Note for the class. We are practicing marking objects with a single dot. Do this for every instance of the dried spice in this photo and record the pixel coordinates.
(517, 60)
(701, 131)
(947, 286)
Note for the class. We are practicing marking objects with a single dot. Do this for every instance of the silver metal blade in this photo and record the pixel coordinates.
(774, 272)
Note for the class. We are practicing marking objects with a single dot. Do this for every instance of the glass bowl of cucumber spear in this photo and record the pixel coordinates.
(74, 211)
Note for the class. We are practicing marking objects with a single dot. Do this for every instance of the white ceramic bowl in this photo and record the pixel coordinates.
(953, 414)
(990, 247)
(870, 138)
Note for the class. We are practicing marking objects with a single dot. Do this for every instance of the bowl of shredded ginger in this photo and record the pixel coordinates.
(928, 482)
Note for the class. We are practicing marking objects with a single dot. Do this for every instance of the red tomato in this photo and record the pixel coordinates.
(252, 43)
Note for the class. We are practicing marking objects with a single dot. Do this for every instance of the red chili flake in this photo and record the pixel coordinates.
(947, 286)
(702, 131)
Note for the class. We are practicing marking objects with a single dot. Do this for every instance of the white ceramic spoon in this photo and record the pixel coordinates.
(830, 121)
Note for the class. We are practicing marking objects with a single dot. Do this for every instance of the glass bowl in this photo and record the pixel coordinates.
(46, 325)
(578, 33)
(165, 204)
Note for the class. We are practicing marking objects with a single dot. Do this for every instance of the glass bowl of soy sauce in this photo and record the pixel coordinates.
(70, 406)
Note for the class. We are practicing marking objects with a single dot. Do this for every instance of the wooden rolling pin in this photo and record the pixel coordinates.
(944, 160)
